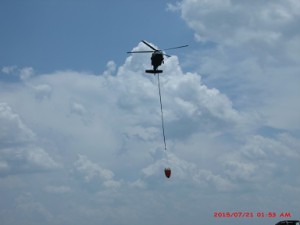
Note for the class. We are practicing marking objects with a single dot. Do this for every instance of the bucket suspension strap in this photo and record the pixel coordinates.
(162, 114)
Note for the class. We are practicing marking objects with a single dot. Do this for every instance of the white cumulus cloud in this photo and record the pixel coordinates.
(105, 132)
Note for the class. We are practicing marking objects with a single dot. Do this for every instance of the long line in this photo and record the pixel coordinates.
(162, 113)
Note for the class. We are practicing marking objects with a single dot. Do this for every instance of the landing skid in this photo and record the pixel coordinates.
(153, 71)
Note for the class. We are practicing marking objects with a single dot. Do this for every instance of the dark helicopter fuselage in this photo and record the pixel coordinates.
(157, 59)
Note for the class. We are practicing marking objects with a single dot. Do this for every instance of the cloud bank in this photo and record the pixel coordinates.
(251, 52)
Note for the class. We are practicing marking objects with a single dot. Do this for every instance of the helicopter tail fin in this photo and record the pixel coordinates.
(153, 71)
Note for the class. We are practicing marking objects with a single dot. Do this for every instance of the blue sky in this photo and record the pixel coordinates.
(80, 125)
(52, 35)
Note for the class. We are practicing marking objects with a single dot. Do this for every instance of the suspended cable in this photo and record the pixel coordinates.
(162, 114)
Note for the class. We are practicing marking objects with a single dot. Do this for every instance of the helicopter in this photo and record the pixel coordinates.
(157, 57)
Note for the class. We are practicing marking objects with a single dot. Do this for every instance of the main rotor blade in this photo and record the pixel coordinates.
(149, 45)
(140, 52)
(176, 47)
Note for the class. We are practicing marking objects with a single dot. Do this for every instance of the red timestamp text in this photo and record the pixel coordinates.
(233, 214)
(247, 214)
